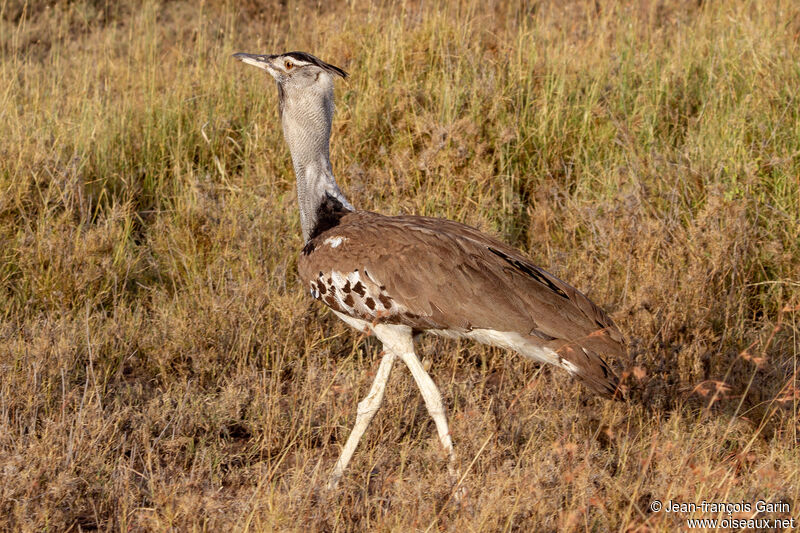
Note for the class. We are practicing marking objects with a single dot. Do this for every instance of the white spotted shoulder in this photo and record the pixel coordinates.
(334, 242)
(355, 294)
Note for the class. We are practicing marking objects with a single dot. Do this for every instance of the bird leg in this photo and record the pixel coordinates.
(366, 410)
(433, 401)
(399, 340)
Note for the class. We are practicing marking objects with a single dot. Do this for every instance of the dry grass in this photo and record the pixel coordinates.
(161, 368)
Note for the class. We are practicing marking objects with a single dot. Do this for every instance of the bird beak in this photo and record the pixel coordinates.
(261, 61)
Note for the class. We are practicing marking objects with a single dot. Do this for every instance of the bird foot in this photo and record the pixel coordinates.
(458, 491)
(459, 496)
(333, 482)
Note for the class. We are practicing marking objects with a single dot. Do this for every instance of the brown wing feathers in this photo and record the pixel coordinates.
(438, 274)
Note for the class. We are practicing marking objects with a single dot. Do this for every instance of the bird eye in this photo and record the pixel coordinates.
(289, 65)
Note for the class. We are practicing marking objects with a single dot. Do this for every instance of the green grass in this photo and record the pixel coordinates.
(161, 367)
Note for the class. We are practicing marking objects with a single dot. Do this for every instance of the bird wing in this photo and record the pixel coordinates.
(432, 273)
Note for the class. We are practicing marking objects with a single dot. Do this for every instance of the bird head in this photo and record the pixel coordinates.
(296, 73)
(298, 69)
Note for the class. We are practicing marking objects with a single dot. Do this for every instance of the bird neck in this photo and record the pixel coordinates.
(307, 129)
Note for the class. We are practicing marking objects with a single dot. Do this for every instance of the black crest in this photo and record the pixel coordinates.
(308, 58)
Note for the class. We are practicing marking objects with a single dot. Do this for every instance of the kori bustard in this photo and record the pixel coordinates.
(396, 276)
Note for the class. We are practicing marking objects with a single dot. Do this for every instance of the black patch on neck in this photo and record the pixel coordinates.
(329, 213)
(530, 270)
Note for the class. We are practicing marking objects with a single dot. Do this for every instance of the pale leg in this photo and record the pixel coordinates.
(366, 410)
(398, 339)
(433, 401)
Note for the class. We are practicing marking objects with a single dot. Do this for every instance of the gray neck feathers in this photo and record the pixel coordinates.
(306, 116)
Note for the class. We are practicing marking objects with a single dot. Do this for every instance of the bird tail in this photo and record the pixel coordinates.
(591, 369)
